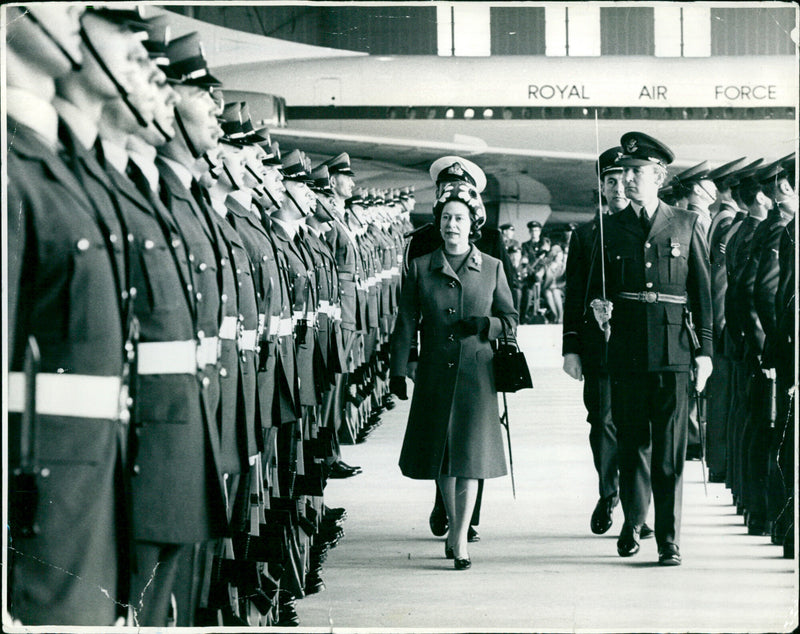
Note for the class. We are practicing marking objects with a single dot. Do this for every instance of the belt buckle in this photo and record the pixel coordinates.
(650, 297)
(199, 353)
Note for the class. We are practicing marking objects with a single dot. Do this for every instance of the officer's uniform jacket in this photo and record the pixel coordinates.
(672, 259)
(767, 270)
(174, 435)
(350, 268)
(302, 286)
(717, 244)
(786, 304)
(276, 378)
(582, 334)
(63, 290)
(736, 253)
(745, 287)
(206, 267)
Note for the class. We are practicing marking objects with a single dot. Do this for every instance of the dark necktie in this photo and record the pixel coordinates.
(645, 221)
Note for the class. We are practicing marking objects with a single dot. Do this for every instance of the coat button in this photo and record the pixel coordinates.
(83, 244)
(149, 244)
(136, 469)
(264, 258)
(647, 265)
(206, 381)
(451, 311)
(223, 261)
(191, 257)
(199, 297)
(649, 284)
(202, 266)
(112, 238)
(646, 245)
(176, 242)
(223, 372)
(189, 287)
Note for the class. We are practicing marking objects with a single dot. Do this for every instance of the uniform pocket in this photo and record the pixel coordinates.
(158, 274)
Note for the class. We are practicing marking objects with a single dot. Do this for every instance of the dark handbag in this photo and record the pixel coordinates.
(511, 372)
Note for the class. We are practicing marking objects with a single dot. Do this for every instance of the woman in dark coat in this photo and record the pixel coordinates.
(460, 299)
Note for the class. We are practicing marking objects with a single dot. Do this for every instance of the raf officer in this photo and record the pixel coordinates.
(584, 348)
(657, 274)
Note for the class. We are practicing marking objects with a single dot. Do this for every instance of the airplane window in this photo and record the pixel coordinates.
(431, 113)
(488, 113)
(526, 114)
(392, 113)
(411, 113)
(449, 113)
(508, 113)
(469, 113)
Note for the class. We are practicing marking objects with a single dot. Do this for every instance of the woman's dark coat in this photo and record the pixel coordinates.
(455, 402)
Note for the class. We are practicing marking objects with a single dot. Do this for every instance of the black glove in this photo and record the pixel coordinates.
(471, 326)
(397, 386)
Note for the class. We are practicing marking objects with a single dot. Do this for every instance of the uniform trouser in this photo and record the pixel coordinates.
(781, 462)
(740, 412)
(69, 574)
(154, 580)
(756, 439)
(755, 448)
(650, 411)
(719, 401)
(603, 433)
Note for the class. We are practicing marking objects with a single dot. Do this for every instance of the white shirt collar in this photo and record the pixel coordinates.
(638, 209)
(116, 155)
(78, 121)
(288, 227)
(144, 155)
(181, 171)
(32, 111)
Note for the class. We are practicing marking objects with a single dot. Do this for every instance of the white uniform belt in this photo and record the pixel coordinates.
(171, 357)
(324, 307)
(227, 329)
(76, 395)
(371, 281)
(262, 323)
(208, 351)
(274, 323)
(248, 340)
(285, 327)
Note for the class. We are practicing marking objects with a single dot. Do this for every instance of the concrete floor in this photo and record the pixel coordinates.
(538, 567)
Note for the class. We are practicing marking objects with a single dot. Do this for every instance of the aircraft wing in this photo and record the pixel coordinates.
(566, 181)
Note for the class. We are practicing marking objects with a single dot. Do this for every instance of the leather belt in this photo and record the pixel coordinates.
(74, 395)
(227, 329)
(651, 297)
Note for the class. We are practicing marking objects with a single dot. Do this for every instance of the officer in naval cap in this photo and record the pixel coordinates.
(660, 330)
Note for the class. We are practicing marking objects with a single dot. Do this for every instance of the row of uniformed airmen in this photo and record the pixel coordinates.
(195, 323)
(750, 395)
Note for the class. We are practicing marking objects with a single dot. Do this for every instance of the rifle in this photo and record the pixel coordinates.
(702, 420)
(24, 487)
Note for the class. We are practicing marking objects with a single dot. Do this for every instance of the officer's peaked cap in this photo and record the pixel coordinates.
(455, 168)
(639, 148)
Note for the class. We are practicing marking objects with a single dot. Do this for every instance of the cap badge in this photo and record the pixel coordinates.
(456, 169)
(631, 146)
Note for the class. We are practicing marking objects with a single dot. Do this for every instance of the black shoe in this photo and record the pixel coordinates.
(438, 522)
(645, 532)
(339, 471)
(448, 552)
(669, 555)
(756, 526)
(388, 402)
(462, 564)
(473, 535)
(602, 514)
(314, 583)
(627, 544)
(287, 613)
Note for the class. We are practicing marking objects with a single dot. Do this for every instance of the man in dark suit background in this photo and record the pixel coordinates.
(661, 327)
